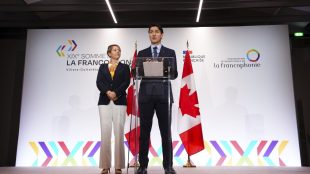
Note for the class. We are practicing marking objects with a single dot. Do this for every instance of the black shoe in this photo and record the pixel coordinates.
(141, 170)
(170, 170)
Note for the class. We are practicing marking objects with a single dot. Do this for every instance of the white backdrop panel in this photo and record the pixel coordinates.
(251, 106)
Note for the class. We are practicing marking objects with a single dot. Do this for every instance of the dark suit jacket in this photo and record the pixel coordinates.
(119, 84)
(157, 87)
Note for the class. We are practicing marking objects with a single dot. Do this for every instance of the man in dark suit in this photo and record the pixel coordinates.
(156, 95)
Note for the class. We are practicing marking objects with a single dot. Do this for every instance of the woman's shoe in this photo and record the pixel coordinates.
(118, 171)
(105, 171)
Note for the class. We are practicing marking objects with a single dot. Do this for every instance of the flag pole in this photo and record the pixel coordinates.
(129, 140)
(187, 45)
(135, 163)
(136, 45)
(188, 164)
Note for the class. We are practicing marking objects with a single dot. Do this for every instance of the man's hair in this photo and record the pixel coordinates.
(158, 26)
(110, 47)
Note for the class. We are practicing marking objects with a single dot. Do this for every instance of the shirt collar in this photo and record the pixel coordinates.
(158, 47)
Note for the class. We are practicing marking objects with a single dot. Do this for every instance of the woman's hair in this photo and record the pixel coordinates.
(110, 47)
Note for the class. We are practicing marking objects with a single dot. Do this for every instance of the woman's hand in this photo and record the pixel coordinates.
(112, 95)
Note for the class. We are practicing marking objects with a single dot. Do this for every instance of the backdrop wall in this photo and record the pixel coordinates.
(243, 79)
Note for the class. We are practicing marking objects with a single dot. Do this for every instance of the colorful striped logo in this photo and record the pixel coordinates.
(217, 153)
(61, 48)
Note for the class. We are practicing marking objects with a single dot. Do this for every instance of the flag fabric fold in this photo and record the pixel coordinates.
(189, 121)
(132, 124)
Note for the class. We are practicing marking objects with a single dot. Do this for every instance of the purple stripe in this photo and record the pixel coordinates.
(270, 148)
(75, 45)
(74, 42)
(45, 149)
(92, 153)
(126, 143)
(180, 150)
(218, 148)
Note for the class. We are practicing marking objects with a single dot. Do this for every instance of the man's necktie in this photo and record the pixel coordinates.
(155, 51)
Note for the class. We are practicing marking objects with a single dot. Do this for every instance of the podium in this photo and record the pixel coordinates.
(166, 64)
(154, 95)
(153, 76)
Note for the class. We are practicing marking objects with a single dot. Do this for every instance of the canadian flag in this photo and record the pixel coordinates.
(132, 124)
(189, 122)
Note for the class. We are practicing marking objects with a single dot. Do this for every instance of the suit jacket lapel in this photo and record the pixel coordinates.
(106, 69)
(118, 69)
(149, 52)
(162, 52)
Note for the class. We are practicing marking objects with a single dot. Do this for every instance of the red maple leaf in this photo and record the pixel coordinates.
(187, 102)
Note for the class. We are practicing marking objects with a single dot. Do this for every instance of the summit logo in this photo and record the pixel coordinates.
(251, 60)
(61, 49)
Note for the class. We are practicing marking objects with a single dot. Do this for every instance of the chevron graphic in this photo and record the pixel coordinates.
(218, 148)
(61, 48)
(86, 147)
(73, 45)
(280, 150)
(60, 52)
(95, 149)
(218, 153)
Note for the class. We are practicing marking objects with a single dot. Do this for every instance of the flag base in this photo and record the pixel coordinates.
(134, 164)
(189, 164)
